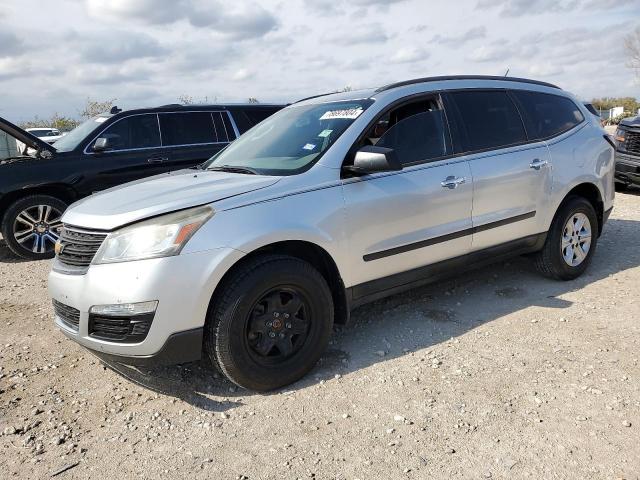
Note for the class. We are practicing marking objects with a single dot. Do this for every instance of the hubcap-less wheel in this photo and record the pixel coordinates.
(278, 325)
(37, 228)
(576, 239)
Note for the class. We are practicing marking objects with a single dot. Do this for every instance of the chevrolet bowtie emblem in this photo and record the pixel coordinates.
(58, 248)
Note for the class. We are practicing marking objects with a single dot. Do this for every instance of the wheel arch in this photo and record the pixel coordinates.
(61, 192)
(310, 252)
(590, 192)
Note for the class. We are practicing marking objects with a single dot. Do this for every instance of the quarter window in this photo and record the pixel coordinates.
(488, 120)
(137, 131)
(547, 115)
(187, 128)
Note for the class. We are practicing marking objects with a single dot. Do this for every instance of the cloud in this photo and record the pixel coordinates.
(243, 74)
(241, 20)
(361, 34)
(456, 41)
(517, 8)
(119, 46)
(10, 44)
(409, 55)
(14, 68)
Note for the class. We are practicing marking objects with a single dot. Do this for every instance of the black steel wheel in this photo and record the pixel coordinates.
(269, 322)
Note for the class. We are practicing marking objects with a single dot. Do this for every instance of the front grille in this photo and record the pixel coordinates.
(132, 329)
(632, 142)
(68, 315)
(78, 247)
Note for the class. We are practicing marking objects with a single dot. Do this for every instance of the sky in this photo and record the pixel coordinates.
(56, 54)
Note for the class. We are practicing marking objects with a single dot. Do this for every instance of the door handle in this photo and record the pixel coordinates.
(157, 159)
(452, 182)
(537, 164)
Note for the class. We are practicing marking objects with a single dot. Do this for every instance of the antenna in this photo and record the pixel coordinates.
(507, 72)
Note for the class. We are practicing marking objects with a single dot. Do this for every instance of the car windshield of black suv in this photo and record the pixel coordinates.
(290, 141)
(72, 139)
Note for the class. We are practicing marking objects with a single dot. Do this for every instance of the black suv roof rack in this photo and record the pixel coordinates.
(464, 77)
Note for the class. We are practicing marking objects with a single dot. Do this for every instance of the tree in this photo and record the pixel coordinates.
(93, 108)
(632, 45)
(253, 100)
(630, 104)
(185, 99)
(62, 123)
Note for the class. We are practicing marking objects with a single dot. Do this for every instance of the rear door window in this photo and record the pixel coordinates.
(187, 128)
(487, 119)
(136, 131)
(547, 115)
(221, 130)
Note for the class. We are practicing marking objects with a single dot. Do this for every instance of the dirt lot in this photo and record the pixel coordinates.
(496, 374)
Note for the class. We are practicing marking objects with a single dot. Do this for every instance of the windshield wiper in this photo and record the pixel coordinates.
(233, 169)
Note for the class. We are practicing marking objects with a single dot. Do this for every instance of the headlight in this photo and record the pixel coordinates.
(158, 237)
(620, 135)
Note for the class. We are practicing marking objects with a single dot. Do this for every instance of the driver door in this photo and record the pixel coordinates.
(400, 221)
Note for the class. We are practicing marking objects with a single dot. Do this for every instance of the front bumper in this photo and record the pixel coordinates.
(627, 168)
(182, 285)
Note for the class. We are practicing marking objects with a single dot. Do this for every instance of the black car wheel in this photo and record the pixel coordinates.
(31, 226)
(571, 240)
(269, 322)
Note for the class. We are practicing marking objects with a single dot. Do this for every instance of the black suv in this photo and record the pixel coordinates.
(628, 152)
(37, 185)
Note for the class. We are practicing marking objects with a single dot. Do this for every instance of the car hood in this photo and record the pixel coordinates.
(631, 122)
(42, 148)
(160, 194)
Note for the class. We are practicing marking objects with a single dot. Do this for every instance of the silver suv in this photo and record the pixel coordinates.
(334, 201)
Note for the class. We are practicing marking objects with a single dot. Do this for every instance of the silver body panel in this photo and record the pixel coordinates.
(350, 218)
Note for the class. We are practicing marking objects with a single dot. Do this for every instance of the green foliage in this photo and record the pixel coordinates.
(630, 104)
(95, 107)
(62, 123)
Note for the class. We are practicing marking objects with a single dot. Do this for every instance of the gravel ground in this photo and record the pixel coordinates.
(495, 374)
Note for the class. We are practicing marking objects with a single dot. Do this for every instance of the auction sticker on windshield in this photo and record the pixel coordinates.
(350, 113)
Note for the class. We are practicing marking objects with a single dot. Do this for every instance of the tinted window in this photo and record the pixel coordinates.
(488, 119)
(219, 126)
(547, 115)
(256, 116)
(417, 137)
(187, 128)
(228, 127)
(137, 131)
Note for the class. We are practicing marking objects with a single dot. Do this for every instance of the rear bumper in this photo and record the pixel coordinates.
(627, 168)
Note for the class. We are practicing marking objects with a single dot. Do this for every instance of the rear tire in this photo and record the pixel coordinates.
(571, 241)
(269, 323)
(30, 226)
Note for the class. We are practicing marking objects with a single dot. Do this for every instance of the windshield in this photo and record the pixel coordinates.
(42, 133)
(292, 140)
(72, 139)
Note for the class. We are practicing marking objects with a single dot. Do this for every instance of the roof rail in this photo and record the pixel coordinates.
(464, 77)
(315, 96)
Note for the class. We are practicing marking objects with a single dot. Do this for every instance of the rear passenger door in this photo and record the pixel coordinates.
(194, 137)
(511, 175)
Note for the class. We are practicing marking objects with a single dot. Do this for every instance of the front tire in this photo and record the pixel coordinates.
(571, 241)
(31, 226)
(269, 323)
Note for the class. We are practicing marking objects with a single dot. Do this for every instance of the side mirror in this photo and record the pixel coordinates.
(372, 159)
(102, 144)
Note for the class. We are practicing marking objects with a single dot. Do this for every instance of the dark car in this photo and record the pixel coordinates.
(627, 139)
(37, 185)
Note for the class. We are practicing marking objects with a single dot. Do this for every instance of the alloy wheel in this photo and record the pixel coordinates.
(37, 228)
(576, 239)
